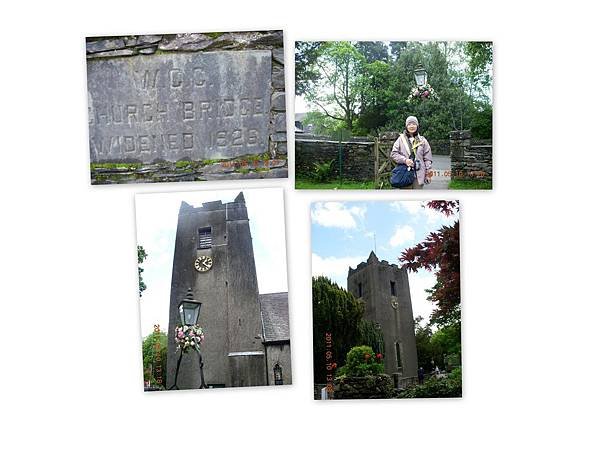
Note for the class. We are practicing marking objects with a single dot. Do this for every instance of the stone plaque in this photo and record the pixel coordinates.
(180, 106)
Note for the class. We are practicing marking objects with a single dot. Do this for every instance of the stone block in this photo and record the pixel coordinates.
(278, 101)
(278, 56)
(279, 124)
(278, 77)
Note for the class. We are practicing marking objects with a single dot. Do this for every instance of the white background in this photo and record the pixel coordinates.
(71, 370)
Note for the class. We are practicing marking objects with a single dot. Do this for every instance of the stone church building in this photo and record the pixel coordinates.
(385, 290)
(247, 340)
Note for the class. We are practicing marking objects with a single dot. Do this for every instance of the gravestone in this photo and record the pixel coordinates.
(179, 106)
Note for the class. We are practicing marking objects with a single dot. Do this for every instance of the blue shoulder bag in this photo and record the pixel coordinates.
(402, 175)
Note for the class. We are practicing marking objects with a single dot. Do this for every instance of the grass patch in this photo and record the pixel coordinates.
(129, 166)
(311, 184)
(470, 184)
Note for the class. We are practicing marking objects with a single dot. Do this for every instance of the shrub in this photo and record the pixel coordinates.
(448, 387)
(322, 171)
(362, 361)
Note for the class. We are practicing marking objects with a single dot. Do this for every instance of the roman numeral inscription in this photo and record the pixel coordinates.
(177, 106)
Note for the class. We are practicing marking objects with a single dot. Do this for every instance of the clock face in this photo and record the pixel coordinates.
(203, 263)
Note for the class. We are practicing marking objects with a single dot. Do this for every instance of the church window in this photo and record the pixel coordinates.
(359, 290)
(398, 356)
(393, 288)
(278, 374)
(204, 238)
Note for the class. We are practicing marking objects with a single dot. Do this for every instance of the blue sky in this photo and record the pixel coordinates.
(344, 233)
(156, 223)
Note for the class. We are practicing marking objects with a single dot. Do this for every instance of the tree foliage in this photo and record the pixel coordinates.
(336, 91)
(370, 334)
(338, 312)
(142, 255)
(436, 346)
(154, 354)
(440, 254)
(365, 85)
(306, 71)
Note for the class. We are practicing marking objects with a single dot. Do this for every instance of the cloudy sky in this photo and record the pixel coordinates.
(156, 222)
(344, 233)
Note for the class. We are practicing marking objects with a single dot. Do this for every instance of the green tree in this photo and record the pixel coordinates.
(372, 50)
(322, 124)
(337, 312)
(370, 334)
(374, 97)
(436, 344)
(306, 70)
(142, 255)
(337, 91)
(154, 354)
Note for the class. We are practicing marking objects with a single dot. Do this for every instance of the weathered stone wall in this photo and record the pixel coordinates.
(358, 159)
(469, 159)
(157, 102)
(358, 156)
(279, 354)
(378, 386)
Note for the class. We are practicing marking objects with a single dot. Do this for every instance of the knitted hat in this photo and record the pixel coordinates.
(412, 119)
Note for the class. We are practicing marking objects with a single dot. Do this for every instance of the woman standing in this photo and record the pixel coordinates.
(413, 150)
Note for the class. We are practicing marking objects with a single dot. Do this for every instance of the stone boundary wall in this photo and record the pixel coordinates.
(358, 158)
(370, 387)
(470, 159)
(122, 47)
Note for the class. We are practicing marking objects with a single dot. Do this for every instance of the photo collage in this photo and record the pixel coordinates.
(210, 108)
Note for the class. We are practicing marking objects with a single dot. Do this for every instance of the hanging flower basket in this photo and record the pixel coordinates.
(189, 337)
(425, 92)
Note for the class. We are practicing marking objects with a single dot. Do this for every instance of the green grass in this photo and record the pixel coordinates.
(130, 166)
(311, 184)
(470, 184)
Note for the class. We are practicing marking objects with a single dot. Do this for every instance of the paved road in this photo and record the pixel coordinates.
(441, 173)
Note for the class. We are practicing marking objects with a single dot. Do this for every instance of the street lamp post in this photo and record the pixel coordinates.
(420, 76)
(189, 313)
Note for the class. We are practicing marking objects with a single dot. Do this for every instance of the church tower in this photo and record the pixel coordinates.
(214, 258)
(385, 290)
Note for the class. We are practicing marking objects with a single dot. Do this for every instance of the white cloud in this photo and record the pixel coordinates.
(334, 268)
(414, 208)
(337, 215)
(402, 235)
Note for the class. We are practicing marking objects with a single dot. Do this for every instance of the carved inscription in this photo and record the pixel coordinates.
(179, 106)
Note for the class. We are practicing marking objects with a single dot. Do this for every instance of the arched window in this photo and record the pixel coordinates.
(278, 374)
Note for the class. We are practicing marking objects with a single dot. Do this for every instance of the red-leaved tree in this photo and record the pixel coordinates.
(440, 254)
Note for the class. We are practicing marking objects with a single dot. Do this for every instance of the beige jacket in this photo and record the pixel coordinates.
(399, 154)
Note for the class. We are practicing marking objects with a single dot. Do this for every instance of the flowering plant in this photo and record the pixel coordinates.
(362, 361)
(424, 92)
(189, 337)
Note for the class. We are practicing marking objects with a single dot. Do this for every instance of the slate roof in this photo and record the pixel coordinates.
(275, 316)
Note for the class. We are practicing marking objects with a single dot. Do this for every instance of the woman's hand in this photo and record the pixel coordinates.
(409, 162)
